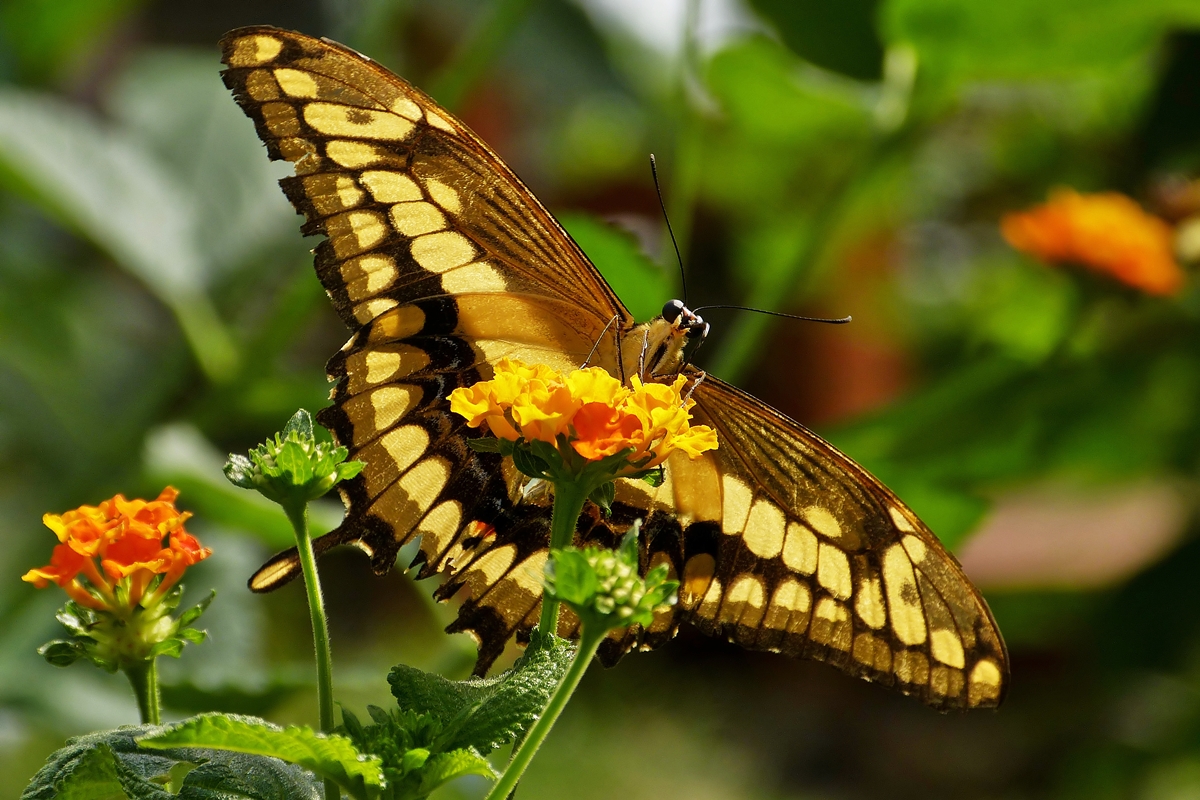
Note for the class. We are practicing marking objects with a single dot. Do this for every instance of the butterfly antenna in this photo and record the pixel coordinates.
(675, 244)
(839, 321)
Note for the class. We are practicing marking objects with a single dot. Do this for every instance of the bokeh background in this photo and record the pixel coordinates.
(158, 309)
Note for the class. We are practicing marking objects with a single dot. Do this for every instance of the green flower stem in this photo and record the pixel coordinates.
(297, 514)
(143, 677)
(589, 643)
(569, 498)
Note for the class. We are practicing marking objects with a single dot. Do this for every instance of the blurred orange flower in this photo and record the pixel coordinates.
(127, 537)
(1107, 232)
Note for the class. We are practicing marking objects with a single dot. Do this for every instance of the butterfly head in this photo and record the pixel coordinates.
(663, 346)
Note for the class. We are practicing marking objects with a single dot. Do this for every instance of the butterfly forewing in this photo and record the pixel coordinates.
(439, 259)
(442, 262)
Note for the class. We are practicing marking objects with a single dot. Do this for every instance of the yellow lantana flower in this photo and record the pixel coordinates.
(598, 415)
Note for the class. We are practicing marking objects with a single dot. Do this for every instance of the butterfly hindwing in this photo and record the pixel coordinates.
(442, 262)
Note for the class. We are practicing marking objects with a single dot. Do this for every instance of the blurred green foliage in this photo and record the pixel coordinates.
(158, 310)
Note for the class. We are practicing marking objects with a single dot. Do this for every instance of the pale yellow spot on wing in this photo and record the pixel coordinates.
(355, 231)
(438, 121)
(872, 652)
(908, 621)
(476, 277)
(833, 571)
(697, 575)
(296, 83)
(416, 218)
(946, 647)
(445, 196)
(900, 520)
(831, 624)
(348, 192)
(911, 666)
(280, 119)
(744, 602)
(425, 481)
(488, 568)
(398, 324)
(261, 86)
(405, 445)
(984, 682)
(251, 51)
(352, 154)
(365, 312)
(868, 602)
(367, 275)
(736, 497)
(333, 119)
(915, 548)
(823, 522)
(438, 252)
(800, 549)
(763, 532)
(945, 681)
(789, 604)
(439, 526)
(407, 108)
(712, 597)
(393, 402)
(381, 365)
(390, 187)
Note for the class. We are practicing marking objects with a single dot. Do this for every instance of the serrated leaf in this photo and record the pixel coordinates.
(529, 464)
(79, 771)
(293, 460)
(573, 579)
(240, 471)
(486, 713)
(330, 757)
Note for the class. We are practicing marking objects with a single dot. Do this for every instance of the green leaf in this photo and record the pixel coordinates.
(529, 464)
(109, 765)
(486, 713)
(604, 495)
(193, 613)
(62, 652)
(301, 425)
(572, 579)
(330, 757)
(441, 768)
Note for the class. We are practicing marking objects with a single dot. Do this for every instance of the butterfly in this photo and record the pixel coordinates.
(442, 262)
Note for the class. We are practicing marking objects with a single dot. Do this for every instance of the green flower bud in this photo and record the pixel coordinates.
(292, 467)
(603, 586)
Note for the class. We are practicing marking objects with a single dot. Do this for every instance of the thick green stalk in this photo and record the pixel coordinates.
(298, 515)
(569, 498)
(143, 677)
(589, 643)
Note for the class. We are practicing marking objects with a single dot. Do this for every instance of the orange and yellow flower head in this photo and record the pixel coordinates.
(593, 412)
(1106, 232)
(110, 555)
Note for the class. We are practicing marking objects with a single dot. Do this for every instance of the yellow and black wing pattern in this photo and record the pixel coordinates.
(441, 262)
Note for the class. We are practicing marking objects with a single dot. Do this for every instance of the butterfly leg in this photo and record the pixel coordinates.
(599, 339)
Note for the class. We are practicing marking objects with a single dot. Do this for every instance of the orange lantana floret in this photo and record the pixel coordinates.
(133, 540)
(1107, 232)
(595, 412)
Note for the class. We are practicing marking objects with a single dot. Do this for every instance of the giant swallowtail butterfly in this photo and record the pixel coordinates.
(441, 262)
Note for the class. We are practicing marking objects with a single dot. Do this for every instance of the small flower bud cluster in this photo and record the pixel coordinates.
(603, 586)
(292, 466)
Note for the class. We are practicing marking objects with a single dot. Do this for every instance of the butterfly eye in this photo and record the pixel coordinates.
(672, 310)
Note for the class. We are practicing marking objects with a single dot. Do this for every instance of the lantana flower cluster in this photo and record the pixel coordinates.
(596, 414)
(1107, 232)
(110, 556)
